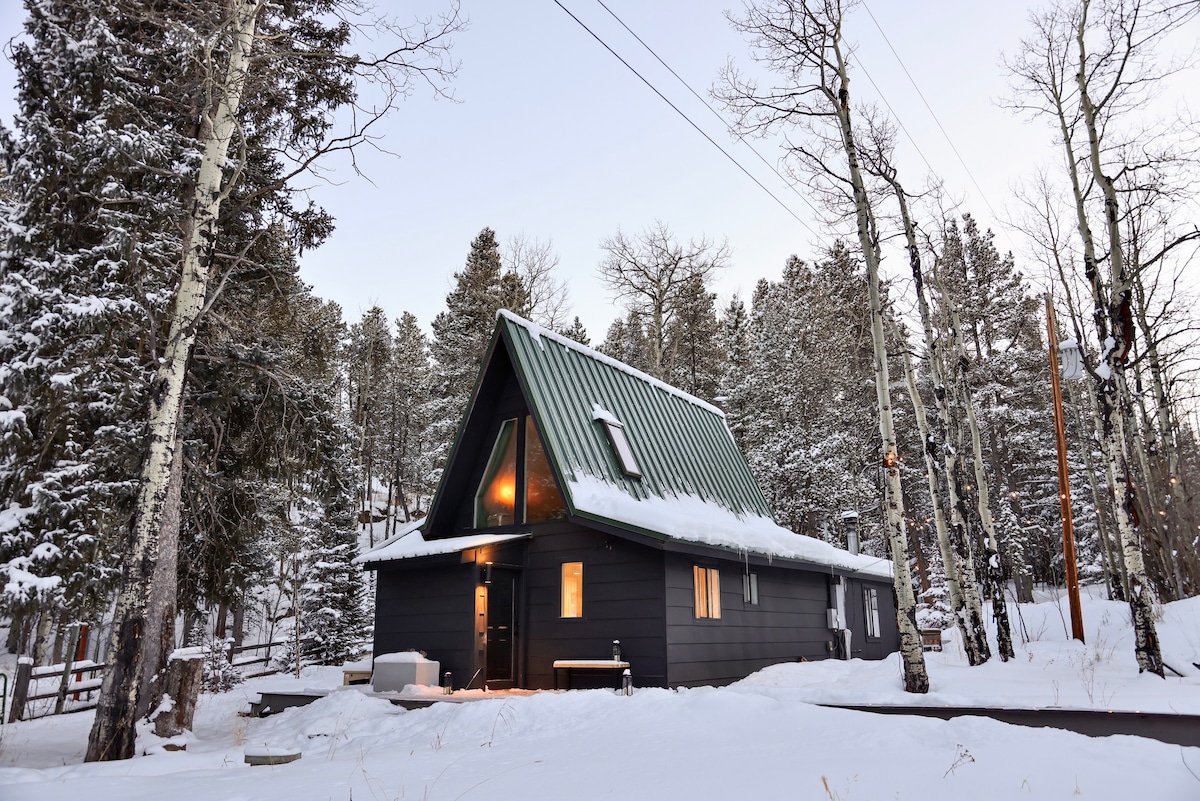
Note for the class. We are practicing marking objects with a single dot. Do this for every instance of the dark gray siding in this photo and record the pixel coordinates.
(622, 600)
(789, 622)
(864, 647)
(428, 608)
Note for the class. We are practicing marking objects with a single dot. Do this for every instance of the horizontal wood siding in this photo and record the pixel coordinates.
(622, 600)
(428, 609)
(788, 623)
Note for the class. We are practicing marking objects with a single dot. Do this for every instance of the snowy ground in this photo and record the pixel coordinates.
(761, 738)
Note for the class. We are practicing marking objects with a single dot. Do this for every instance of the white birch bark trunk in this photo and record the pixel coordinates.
(968, 612)
(1114, 395)
(916, 679)
(982, 501)
(113, 734)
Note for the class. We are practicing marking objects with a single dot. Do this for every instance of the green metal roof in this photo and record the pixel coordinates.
(682, 444)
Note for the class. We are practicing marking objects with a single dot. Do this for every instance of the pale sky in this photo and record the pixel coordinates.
(554, 138)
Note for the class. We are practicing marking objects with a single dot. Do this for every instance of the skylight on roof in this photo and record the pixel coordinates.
(616, 437)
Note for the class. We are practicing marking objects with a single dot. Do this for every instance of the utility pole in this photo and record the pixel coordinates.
(1064, 488)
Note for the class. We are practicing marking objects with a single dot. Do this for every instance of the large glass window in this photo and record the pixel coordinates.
(706, 583)
(543, 501)
(495, 503)
(572, 589)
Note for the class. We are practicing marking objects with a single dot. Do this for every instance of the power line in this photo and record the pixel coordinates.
(688, 119)
(895, 115)
(708, 105)
(930, 109)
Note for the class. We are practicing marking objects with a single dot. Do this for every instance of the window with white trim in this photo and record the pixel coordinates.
(615, 430)
(871, 603)
(706, 586)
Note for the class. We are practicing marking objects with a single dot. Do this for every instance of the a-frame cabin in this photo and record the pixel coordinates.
(584, 502)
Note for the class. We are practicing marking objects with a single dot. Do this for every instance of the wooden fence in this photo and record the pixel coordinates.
(72, 686)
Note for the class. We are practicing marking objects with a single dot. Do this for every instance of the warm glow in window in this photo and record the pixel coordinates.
(495, 502)
(707, 585)
(572, 589)
(543, 501)
(871, 601)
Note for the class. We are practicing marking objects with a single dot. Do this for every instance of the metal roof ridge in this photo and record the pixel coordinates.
(536, 330)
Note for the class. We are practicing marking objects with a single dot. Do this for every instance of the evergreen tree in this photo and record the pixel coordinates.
(577, 332)
(406, 402)
(460, 337)
(694, 344)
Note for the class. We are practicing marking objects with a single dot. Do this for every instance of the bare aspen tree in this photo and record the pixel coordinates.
(804, 42)
(964, 601)
(650, 271)
(548, 299)
(1088, 64)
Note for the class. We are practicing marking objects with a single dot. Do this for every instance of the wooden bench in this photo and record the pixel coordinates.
(568, 666)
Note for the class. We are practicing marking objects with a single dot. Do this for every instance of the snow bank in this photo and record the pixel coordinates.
(692, 519)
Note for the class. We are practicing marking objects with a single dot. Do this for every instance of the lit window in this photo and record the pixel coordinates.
(707, 585)
(495, 502)
(750, 588)
(871, 601)
(543, 501)
(572, 589)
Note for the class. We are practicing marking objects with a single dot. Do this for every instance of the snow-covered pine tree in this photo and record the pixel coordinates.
(808, 412)
(368, 362)
(460, 337)
(91, 238)
(406, 401)
(626, 341)
(577, 332)
(695, 351)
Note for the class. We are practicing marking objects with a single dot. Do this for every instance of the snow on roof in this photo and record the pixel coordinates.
(410, 542)
(539, 333)
(692, 519)
(604, 415)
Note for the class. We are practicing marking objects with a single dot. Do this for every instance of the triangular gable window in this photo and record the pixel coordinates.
(495, 502)
(616, 438)
(543, 501)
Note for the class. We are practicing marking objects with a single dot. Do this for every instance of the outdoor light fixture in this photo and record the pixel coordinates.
(1070, 360)
(485, 575)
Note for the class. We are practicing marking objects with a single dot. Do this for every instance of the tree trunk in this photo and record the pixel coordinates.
(968, 618)
(181, 690)
(995, 570)
(113, 734)
(1114, 395)
(159, 639)
(971, 637)
(916, 680)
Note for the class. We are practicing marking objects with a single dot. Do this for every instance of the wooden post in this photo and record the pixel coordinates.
(81, 653)
(61, 700)
(1064, 486)
(20, 689)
